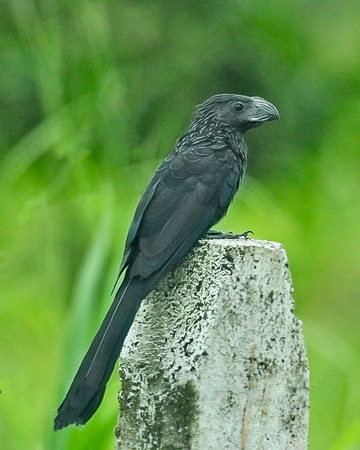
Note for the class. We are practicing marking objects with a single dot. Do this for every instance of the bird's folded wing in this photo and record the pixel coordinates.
(184, 205)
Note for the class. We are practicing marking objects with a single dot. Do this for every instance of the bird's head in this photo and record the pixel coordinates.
(235, 111)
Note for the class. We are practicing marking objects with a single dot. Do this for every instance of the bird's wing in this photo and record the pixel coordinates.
(142, 205)
(132, 233)
(192, 192)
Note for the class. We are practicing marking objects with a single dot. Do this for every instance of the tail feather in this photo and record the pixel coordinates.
(87, 389)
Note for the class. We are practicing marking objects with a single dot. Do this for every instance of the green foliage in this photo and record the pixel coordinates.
(93, 94)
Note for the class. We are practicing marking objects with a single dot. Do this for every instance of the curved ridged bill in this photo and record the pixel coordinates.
(264, 110)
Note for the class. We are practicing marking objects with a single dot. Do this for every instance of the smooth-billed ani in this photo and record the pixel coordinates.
(189, 192)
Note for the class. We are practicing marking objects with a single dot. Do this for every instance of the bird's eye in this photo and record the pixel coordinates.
(238, 106)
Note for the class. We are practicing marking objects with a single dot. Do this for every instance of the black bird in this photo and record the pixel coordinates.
(189, 192)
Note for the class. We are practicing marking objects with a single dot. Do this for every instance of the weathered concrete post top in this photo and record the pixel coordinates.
(215, 359)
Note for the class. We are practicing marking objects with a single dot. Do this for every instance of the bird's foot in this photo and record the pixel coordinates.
(217, 234)
(245, 234)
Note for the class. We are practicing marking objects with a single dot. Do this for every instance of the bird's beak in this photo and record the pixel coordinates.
(264, 111)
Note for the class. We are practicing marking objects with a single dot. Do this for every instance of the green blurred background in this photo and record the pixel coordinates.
(93, 95)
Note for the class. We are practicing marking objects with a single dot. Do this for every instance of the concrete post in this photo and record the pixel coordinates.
(215, 359)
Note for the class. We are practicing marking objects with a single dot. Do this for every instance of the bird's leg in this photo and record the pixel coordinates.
(217, 234)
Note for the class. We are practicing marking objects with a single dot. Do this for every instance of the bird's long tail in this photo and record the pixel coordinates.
(88, 387)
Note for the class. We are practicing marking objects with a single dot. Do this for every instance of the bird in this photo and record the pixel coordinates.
(190, 192)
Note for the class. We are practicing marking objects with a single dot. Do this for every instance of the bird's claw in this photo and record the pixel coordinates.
(245, 234)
